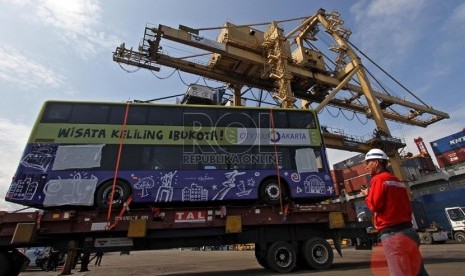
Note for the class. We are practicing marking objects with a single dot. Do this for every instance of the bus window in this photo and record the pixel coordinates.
(164, 116)
(90, 114)
(56, 112)
(267, 158)
(167, 158)
(116, 115)
(137, 115)
(301, 120)
(131, 158)
(235, 118)
(280, 119)
(306, 160)
(77, 157)
(199, 117)
(240, 157)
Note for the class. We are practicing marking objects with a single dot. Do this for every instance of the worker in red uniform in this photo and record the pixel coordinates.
(388, 199)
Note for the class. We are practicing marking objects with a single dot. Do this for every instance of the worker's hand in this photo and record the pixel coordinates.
(364, 190)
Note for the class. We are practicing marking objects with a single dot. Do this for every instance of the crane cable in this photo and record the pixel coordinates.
(277, 163)
(384, 71)
(118, 159)
(249, 25)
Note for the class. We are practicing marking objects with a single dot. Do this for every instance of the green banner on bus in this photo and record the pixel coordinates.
(172, 135)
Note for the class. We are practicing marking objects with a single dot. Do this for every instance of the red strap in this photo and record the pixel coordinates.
(277, 163)
(125, 207)
(121, 142)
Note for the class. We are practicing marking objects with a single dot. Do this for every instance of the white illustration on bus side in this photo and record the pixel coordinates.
(242, 187)
(144, 184)
(228, 184)
(165, 191)
(204, 178)
(314, 185)
(78, 190)
(39, 158)
(194, 193)
(23, 189)
(330, 189)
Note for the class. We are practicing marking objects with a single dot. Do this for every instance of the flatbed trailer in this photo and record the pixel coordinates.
(282, 236)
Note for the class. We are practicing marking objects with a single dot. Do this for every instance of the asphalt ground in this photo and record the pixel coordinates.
(440, 259)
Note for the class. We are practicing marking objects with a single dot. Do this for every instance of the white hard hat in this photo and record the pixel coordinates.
(376, 154)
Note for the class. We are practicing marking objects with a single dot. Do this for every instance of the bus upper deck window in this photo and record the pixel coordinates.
(56, 112)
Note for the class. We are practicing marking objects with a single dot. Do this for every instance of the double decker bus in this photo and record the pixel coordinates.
(101, 153)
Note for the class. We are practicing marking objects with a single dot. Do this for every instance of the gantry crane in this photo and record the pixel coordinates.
(283, 65)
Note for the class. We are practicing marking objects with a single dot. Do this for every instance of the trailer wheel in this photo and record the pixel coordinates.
(103, 195)
(317, 253)
(459, 237)
(261, 258)
(426, 238)
(281, 257)
(270, 193)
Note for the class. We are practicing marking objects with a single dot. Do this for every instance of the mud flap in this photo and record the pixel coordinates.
(337, 240)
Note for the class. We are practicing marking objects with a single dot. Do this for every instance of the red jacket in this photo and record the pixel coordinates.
(389, 201)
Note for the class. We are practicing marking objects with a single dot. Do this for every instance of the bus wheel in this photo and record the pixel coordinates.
(317, 253)
(103, 196)
(270, 193)
(281, 257)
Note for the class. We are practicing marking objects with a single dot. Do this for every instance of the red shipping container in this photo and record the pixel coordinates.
(354, 185)
(354, 171)
(338, 181)
(451, 158)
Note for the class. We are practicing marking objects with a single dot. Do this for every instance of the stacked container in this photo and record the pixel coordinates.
(450, 150)
(354, 174)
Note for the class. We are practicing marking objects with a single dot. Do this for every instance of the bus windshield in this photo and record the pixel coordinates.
(170, 154)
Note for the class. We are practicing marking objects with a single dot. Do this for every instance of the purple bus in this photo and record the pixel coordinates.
(97, 153)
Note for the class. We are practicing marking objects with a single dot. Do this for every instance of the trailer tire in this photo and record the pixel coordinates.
(426, 238)
(269, 192)
(103, 195)
(261, 258)
(317, 253)
(459, 237)
(281, 257)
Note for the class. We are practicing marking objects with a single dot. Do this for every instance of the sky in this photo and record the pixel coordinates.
(62, 50)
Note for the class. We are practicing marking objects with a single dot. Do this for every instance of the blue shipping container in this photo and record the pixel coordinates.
(436, 203)
(448, 143)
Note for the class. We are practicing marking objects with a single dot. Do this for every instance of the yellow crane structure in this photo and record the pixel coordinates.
(283, 65)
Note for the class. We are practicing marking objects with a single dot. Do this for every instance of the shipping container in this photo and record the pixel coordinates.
(448, 143)
(416, 166)
(338, 181)
(354, 171)
(451, 158)
(354, 185)
(436, 203)
(350, 162)
(420, 216)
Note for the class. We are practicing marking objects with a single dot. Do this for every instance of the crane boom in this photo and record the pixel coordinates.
(290, 71)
